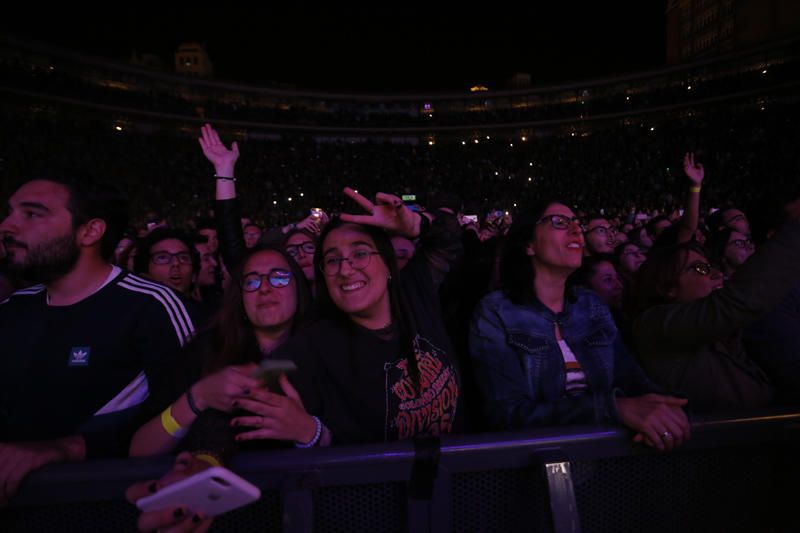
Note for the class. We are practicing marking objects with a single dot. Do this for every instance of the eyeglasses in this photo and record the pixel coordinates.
(276, 277)
(359, 260)
(742, 243)
(633, 252)
(604, 231)
(165, 258)
(702, 268)
(308, 248)
(735, 218)
(561, 222)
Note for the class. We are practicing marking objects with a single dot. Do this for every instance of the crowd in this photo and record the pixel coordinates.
(634, 276)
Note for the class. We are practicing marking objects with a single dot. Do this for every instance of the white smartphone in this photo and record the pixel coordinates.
(212, 492)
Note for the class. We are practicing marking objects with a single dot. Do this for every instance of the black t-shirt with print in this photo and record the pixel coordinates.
(357, 382)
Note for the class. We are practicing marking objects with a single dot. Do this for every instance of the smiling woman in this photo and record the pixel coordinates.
(548, 355)
(377, 366)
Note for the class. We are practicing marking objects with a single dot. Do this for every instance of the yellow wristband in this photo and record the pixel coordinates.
(694, 189)
(171, 425)
(208, 458)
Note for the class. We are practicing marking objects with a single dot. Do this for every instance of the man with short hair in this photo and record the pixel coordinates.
(81, 349)
(252, 234)
(600, 236)
(168, 257)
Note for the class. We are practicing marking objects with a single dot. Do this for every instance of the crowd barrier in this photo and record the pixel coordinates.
(737, 473)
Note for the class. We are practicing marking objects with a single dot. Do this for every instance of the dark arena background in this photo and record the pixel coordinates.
(491, 109)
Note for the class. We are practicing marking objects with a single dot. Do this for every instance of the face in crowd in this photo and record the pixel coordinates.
(357, 276)
(631, 258)
(736, 220)
(403, 250)
(605, 281)
(40, 240)
(252, 234)
(558, 241)
(171, 265)
(207, 275)
(696, 279)
(211, 235)
(269, 291)
(600, 236)
(301, 248)
(738, 248)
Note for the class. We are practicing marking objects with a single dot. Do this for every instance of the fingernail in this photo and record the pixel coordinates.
(246, 391)
(178, 513)
(152, 487)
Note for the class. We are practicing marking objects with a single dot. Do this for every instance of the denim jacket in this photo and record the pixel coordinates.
(521, 371)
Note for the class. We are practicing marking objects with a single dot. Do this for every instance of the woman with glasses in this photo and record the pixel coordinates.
(298, 239)
(689, 325)
(730, 249)
(377, 366)
(547, 355)
(218, 367)
(215, 380)
(629, 257)
(301, 245)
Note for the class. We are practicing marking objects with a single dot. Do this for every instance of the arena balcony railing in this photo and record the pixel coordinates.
(623, 91)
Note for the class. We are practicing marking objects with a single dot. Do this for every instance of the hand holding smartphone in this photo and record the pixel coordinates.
(211, 492)
(270, 371)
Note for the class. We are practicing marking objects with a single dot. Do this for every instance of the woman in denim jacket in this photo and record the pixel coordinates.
(547, 356)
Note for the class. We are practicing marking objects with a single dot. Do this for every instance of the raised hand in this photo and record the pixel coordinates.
(694, 172)
(223, 159)
(388, 212)
(310, 224)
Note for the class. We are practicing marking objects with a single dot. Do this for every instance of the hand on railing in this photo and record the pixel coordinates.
(658, 420)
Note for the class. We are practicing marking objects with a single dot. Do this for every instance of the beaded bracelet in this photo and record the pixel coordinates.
(313, 442)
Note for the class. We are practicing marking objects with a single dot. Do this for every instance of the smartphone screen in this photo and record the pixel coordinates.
(270, 371)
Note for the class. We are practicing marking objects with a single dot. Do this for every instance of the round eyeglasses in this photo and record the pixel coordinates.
(701, 267)
(165, 258)
(742, 243)
(561, 222)
(359, 260)
(308, 248)
(603, 231)
(276, 277)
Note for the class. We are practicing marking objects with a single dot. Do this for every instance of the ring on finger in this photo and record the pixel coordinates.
(666, 435)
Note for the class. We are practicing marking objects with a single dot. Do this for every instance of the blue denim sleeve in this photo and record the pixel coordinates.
(511, 399)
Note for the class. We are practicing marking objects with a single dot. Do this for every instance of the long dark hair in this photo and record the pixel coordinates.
(399, 306)
(660, 273)
(233, 340)
(516, 267)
